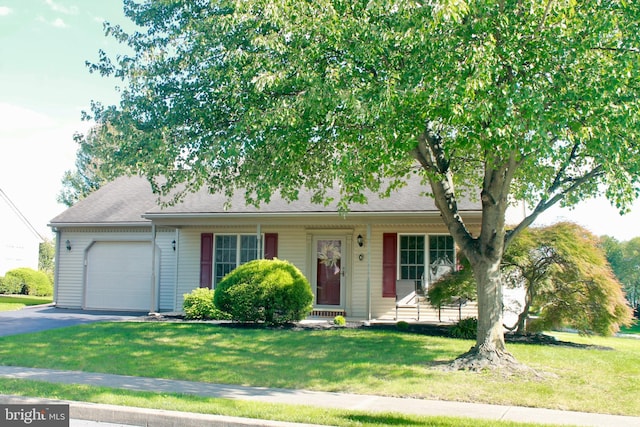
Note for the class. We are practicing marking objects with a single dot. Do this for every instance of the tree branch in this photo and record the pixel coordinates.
(545, 204)
(547, 9)
(430, 154)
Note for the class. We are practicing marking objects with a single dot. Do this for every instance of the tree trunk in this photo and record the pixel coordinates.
(521, 326)
(484, 252)
(490, 330)
(490, 351)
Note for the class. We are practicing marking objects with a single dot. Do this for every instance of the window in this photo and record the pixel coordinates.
(441, 256)
(232, 250)
(414, 258)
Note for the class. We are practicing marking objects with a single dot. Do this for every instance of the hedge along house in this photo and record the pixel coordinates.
(119, 249)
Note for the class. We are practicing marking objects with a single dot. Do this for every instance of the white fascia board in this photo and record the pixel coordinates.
(58, 225)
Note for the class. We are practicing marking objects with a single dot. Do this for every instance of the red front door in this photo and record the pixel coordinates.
(329, 271)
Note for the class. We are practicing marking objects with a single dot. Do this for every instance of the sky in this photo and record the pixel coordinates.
(45, 85)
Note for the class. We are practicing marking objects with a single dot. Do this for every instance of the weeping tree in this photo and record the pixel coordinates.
(527, 100)
(567, 280)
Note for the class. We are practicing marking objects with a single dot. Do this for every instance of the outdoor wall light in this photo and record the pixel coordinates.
(68, 245)
(360, 240)
(173, 245)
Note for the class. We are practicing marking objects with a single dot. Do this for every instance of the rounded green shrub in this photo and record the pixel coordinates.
(402, 325)
(339, 321)
(269, 291)
(26, 281)
(199, 305)
(466, 329)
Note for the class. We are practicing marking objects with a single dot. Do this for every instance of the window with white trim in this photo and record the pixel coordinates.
(420, 253)
(442, 256)
(233, 250)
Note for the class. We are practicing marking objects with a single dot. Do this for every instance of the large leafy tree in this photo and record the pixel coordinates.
(624, 258)
(93, 166)
(512, 99)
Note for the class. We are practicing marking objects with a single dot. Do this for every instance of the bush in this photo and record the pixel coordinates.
(26, 281)
(466, 329)
(339, 321)
(402, 325)
(270, 291)
(199, 305)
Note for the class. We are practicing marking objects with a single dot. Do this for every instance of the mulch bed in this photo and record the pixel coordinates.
(428, 329)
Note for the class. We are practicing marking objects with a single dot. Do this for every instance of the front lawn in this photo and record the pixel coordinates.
(16, 302)
(348, 360)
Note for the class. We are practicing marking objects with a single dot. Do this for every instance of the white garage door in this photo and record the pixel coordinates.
(119, 276)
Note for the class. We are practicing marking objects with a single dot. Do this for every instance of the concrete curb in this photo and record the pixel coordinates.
(148, 417)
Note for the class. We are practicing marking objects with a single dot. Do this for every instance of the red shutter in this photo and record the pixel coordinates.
(389, 264)
(270, 245)
(206, 260)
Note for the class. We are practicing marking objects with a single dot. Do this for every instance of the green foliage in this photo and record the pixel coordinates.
(402, 325)
(270, 291)
(339, 321)
(199, 305)
(465, 328)
(624, 258)
(26, 281)
(46, 258)
(93, 168)
(454, 286)
(568, 280)
(369, 81)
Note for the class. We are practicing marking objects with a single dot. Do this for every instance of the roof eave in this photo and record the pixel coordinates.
(114, 224)
(217, 215)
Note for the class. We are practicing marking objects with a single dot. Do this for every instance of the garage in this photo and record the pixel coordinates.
(118, 276)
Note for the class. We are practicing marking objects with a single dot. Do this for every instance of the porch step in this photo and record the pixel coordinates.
(328, 314)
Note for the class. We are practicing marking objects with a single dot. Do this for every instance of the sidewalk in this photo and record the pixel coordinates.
(108, 413)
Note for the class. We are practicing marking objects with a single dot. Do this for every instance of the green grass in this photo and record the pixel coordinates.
(346, 360)
(633, 329)
(16, 302)
(237, 408)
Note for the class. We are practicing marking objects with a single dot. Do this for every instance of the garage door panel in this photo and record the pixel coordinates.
(119, 276)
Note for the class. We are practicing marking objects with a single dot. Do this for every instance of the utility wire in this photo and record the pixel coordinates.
(23, 218)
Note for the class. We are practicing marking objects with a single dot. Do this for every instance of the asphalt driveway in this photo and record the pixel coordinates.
(40, 318)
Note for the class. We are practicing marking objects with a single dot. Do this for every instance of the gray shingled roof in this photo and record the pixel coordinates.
(127, 199)
(122, 201)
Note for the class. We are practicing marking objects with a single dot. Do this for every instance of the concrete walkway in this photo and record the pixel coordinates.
(135, 416)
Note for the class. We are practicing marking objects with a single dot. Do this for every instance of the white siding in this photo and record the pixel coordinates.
(188, 264)
(70, 286)
(167, 258)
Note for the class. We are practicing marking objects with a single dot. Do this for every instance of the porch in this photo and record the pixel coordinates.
(424, 312)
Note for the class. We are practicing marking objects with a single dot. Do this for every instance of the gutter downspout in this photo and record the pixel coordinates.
(369, 272)
(56, 273)
(154, 305)
(176, 257)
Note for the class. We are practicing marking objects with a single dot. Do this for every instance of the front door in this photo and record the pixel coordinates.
(329, 271)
